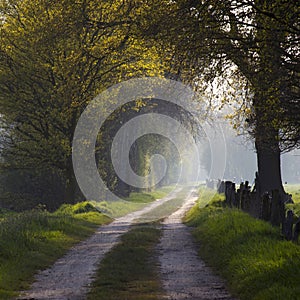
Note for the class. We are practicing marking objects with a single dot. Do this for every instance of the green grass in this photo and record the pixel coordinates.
(294, 189)
(140, 197)
(209, 196)
(135, 201)
(146, 197)
(129, 270)
(33, 240)
(250, 254)
(162, 192)
(165, 209)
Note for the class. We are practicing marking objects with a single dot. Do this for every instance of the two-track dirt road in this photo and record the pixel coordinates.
(184, 275)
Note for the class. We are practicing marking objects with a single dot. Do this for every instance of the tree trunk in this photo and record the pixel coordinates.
(268, 163)
(267, 104)
(70, 185)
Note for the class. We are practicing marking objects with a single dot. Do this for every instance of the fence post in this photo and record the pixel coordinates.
(228, 193)
(266, 207)
(287, 225)
(275, 208)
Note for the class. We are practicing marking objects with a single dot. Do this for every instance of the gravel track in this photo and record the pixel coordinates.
(184, 274)
(71, 275)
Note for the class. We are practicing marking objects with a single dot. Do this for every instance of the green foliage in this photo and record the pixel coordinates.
(34, 239)
(129, 270)
(151, 144)
(249, 253)
(63, 54)
(81, 207)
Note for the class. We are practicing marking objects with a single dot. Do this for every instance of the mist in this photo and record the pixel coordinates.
(227, 156)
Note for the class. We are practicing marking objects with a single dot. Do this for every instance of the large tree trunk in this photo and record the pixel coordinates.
(269, 168)
(268, 158)
(267, 103)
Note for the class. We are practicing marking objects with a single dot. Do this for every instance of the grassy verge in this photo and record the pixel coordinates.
(250, 254)
(33, 240)
(129, 270)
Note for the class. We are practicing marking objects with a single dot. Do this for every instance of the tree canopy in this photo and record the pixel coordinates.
(56, 56)
(259, 41)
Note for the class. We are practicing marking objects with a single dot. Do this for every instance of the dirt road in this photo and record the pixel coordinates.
(184, 275)
(71, 275)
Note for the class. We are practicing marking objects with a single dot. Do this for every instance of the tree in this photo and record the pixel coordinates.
(260, 38)
(55, 57)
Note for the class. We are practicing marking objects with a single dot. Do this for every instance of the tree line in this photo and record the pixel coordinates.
(58, 55)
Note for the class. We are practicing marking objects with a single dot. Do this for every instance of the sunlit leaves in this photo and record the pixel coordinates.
(57, 55)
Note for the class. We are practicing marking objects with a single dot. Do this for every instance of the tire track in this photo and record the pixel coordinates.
(184, 274)
(70, 276)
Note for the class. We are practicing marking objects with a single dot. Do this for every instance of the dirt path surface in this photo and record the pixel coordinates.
(184, 274)
(71, 275)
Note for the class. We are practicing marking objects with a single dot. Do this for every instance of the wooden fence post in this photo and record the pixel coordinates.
(287, 225)
(228, 193)
(266, 207)
(275, 208)
(221, 186)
